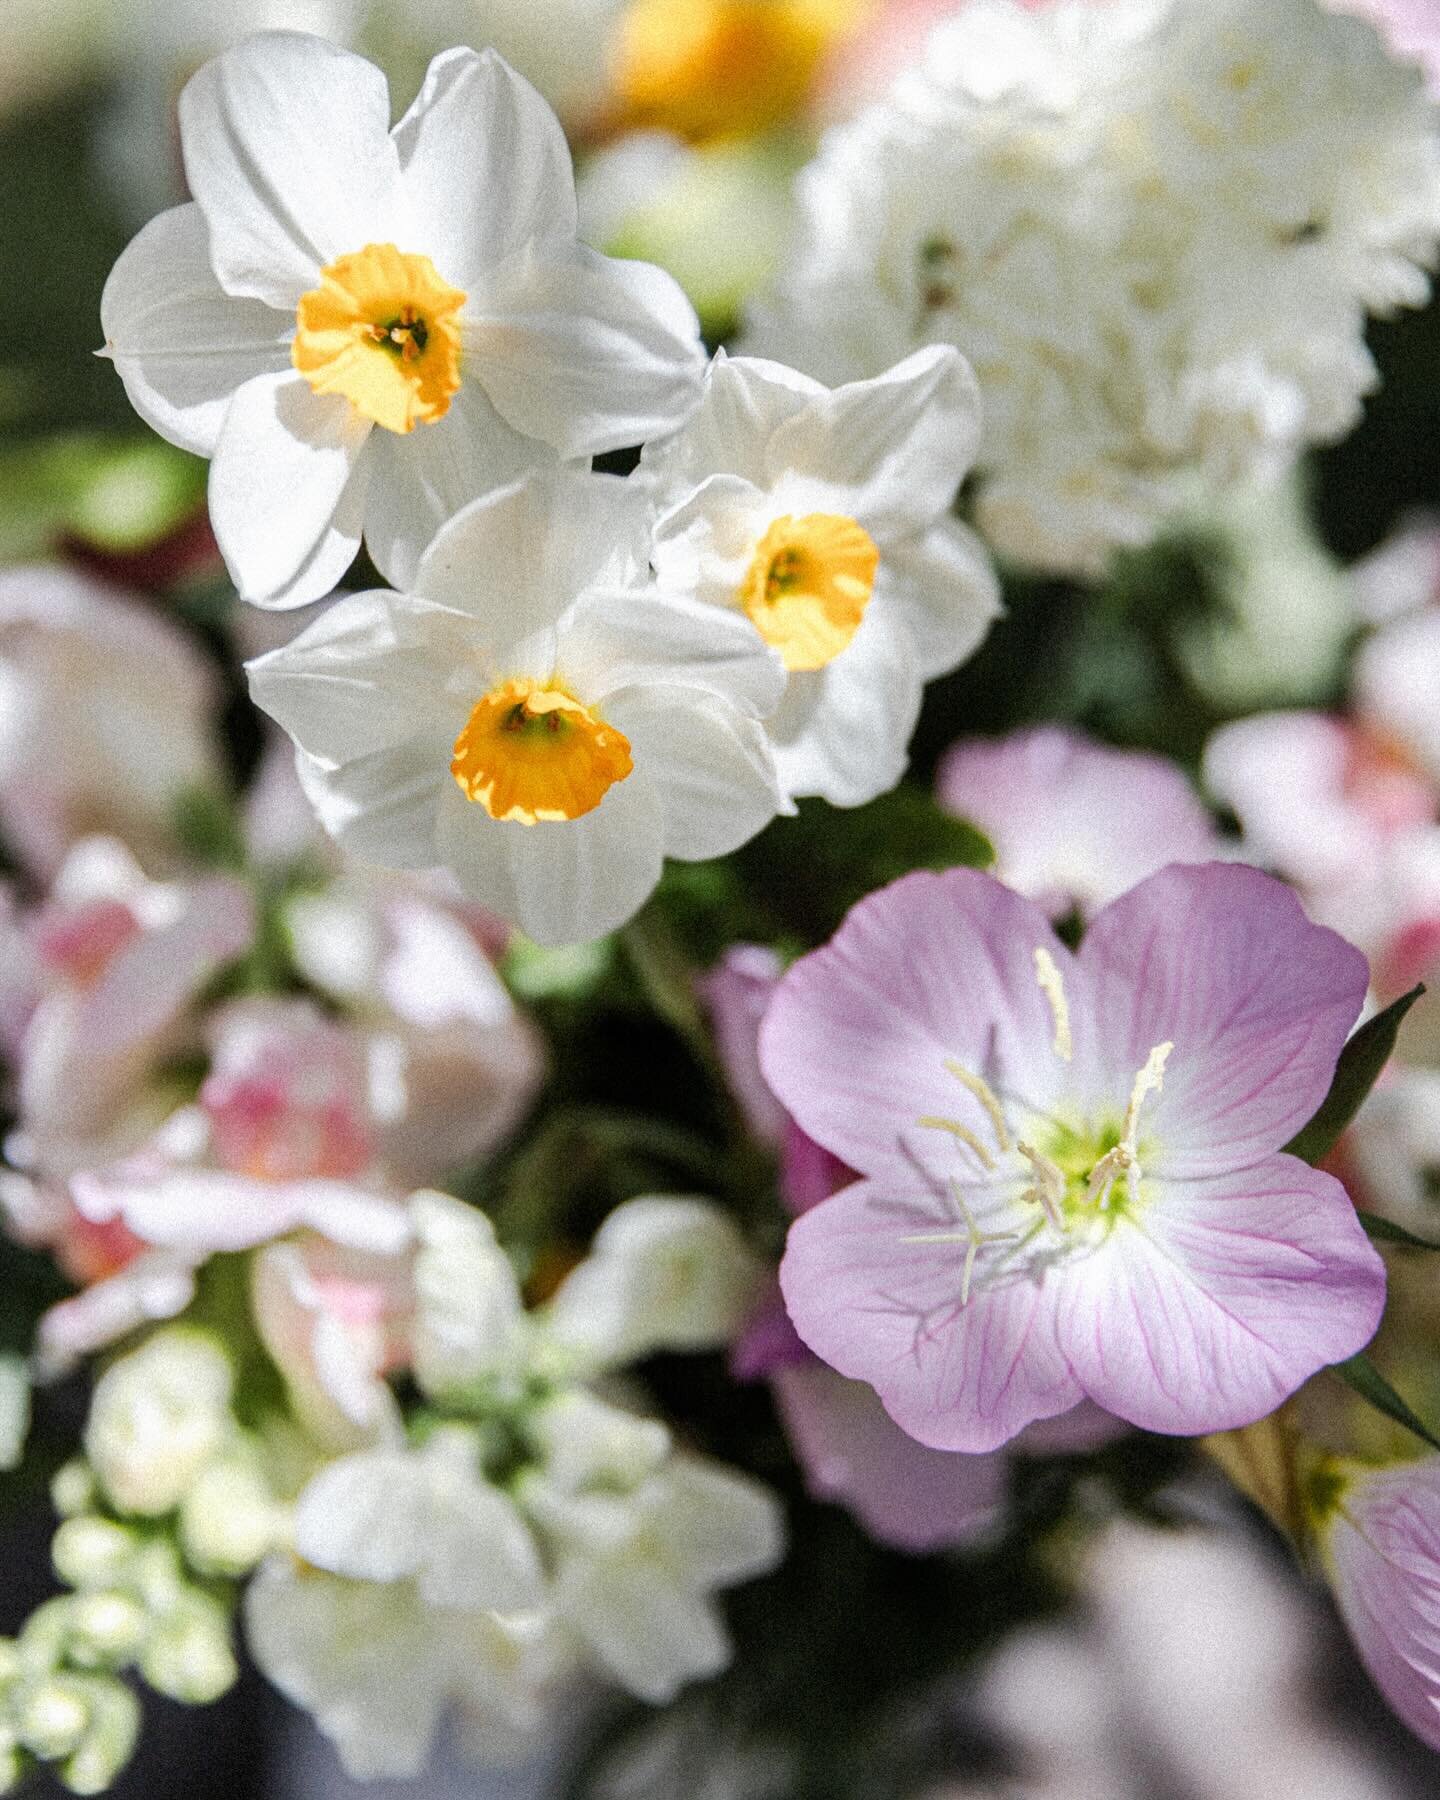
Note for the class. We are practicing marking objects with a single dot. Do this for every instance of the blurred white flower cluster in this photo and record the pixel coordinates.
(1155, 229)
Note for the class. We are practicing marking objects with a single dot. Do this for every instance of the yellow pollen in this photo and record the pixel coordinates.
(808, 585)
(532, 753)
(1053, 989)
(382, 329)
(722, 68)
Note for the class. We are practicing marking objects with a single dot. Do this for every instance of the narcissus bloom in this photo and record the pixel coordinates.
(1072, 1183)
(823, 518)
(367, 327)
(532, 716)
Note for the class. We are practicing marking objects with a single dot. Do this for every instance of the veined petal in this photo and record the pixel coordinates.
(1382, 1553)
(635, 639)
(946, 588)
(364, 676)
(179, 342)
(711, 767)
(1221, 961)
(844, 731)
(485, 165)
(561, 882)
(954, 1375)
(419, 481)
(287, 489)
(383, 807)
(288, 152)
(932, 968)
(583, 352)
(515, 560)
(891, 452)
(1209, 1306)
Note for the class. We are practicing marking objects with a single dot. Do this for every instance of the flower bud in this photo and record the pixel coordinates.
(51, 1717)
(92, 1553)
(72, 1489)
(189, 1657)
(106, 1630)
(229, 1519)
(109, 1742)
(157, 1418)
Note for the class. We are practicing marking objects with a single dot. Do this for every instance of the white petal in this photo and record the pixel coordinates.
(469, 1318)
(746, 399)
(712, 768)
(362, 677)
(843, 732)
(179, 342)
(891, 452)
(485, 165)
(615, 641)
(365, 1516)
(478, 1550)
(585, 353)
(650, 1633)
(704, 545)
(562, 882)
(288, 151)
(383, 808)
(421, 479)
(516, 560)
(949, 593)
(287, 490)
(717, 1526)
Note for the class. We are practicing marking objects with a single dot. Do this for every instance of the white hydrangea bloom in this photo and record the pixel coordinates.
(824, 518)
(533, 716)
(1154, 227)
(364, 328)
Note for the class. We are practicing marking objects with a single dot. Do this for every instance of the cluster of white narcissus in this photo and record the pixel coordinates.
(395, 335)
(1155, 228)
(519, 1526)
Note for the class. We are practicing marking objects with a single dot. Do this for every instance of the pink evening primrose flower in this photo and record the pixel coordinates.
(1071, 1178)
(1380, 1544)
(850, 1449)
(1074, 823)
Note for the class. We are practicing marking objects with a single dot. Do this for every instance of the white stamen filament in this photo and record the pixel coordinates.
(1053, 988)
(964, 1134)
(972, 1237)
(1048, 1189)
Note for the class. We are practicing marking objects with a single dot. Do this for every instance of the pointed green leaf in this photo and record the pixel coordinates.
(1386, 1231)
(1371, 1385)
(1357, 1071)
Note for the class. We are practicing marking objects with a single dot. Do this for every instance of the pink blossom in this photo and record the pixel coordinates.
(106, 718)
(1073, 823)
(1381, 1548)
(850, 1449)
(1072, 1184)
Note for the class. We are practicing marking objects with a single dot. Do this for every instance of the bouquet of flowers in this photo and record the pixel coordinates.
(718, 885)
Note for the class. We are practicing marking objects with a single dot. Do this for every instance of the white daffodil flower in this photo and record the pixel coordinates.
(634, 1572)
(824, 519)
(664, 1273)
(532, 716)
(364, 328)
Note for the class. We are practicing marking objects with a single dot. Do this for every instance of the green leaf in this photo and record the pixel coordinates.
(1385, 1231)
(1357, 1071)
(809, 870)
(1362, 1375)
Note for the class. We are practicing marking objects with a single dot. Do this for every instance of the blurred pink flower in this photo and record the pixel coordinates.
(106, 715)
(1025, 1236)
(1381, 1547)
(1074, 823)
